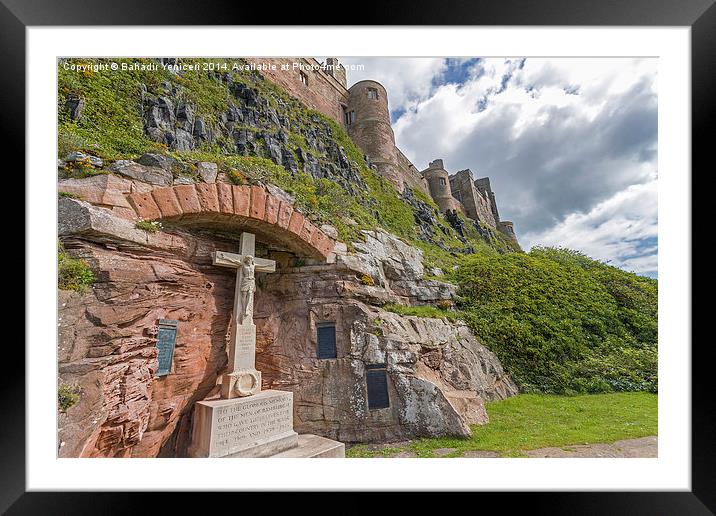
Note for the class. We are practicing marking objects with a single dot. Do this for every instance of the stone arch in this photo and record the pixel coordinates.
(253, 208)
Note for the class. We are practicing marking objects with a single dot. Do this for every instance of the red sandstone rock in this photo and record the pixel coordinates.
(225, 197)
(105, 190)
(284, 214)
(258, 203)
(208, 198)
(188, 198)
(107, 348)
(242, 200)
(307, 231)
(144, 206)
(272, 207)
(323, 243)
(295, 225)
(167, 202)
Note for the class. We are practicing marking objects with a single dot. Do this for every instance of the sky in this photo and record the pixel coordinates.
(569, 145)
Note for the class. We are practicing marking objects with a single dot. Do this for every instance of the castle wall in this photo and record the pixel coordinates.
(483, 185)
(477, 205)
(508, 229)
(410, 175)
(324, 92)
(439, 186)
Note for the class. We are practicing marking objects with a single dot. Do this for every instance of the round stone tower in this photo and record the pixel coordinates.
(439, 184)
(368, 122)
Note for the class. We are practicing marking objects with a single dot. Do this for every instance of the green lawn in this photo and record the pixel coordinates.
(530, 421)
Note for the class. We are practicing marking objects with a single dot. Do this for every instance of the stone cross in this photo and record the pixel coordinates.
(242, 378)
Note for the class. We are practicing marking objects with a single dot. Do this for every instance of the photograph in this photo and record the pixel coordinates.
(357, 257)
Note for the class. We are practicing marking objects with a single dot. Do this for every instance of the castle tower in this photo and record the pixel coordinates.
(368, 123)
(439, 184)
(483, 185)
(336, 70)
(508, 229)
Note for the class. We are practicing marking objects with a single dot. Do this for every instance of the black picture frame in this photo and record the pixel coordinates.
(700, 15)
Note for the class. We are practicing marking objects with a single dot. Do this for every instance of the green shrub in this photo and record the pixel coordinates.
(67, 396)
(68, 142)
(148, 226)
(68, 195)
(561, 322)
(423, 311)
(73, 273)
(365, 279)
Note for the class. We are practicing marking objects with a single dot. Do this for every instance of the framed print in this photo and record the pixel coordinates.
(438, 245)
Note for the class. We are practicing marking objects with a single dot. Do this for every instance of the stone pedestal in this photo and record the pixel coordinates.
(246, 422)
(256, 426)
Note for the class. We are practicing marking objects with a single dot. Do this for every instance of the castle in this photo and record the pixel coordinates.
(363, 111)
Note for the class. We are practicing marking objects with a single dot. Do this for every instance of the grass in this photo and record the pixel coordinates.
(423, 311)
(73, 273)
(148, 226)
(530, 421)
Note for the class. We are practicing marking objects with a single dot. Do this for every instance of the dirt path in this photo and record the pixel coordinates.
(644, 447)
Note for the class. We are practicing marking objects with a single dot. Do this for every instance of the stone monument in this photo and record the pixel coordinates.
(245, 421)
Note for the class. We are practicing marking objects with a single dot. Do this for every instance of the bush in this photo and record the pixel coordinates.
(67, 396)
(73, 273)
(148, 226)
(365, 279)
(561, 322)
(423, 311)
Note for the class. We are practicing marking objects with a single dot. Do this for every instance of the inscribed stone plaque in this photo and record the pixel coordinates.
(245, 347)
(326, 337)
(166, 341)
(225, 427)
(377, 383)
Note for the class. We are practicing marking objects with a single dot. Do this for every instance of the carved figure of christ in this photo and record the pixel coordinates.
(242, 340)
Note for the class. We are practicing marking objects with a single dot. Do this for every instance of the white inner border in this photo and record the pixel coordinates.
(670, 471)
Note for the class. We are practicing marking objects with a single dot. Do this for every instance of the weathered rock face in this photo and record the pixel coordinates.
(438, 375)
(107, 346)
(252, 125)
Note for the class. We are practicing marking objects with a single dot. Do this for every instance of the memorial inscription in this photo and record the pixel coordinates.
(262, 423)
(166, 342)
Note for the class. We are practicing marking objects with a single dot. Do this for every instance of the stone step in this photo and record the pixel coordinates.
(314, 447)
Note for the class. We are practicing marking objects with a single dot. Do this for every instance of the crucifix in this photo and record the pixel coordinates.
(242, 378)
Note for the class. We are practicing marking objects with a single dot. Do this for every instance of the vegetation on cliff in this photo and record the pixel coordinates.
(561, 322)
(73, 273)
(320, 165)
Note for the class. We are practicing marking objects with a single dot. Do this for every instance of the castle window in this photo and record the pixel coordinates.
(350, 117)
(372, 93)
(304, 78)
(442, 181)
(326, 337)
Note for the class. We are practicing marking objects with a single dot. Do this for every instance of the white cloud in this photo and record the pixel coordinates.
(406, 79)
(614, 230)
(562, 141)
